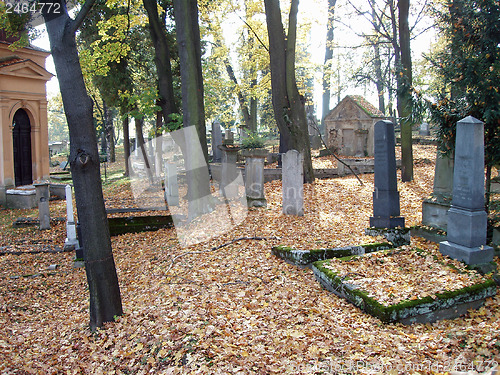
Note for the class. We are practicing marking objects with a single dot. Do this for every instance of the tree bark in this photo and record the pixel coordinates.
(193, 111)
(105, 299)
(404, 92)
(162, 61)
(288, 104)
(327, 67)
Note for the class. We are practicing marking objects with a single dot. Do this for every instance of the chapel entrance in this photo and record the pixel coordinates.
(21, 136)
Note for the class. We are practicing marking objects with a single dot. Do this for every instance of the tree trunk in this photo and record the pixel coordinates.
(126, 143)
(105, 299)
(327, 67)
(289, 109)
(109, 132)
(141, 145)
(404, 92)
(193, 111)
(162, 61)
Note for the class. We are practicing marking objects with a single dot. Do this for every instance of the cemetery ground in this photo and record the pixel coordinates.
(234, 309)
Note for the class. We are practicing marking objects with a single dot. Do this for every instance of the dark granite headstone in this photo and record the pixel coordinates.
(385, 196)
(467, 220)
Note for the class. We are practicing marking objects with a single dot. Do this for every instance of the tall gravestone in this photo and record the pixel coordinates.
(229, 173)
(386, 213)
(293, 183)
(435, 208)
(171, 184)
(254, 176)
(216, 141)
(467, 220)
(71, 242)
(43, 197)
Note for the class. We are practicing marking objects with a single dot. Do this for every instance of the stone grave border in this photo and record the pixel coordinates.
(447, 305)
(305, 258)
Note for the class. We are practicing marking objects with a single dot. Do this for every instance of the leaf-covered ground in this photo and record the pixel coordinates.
(236, 309)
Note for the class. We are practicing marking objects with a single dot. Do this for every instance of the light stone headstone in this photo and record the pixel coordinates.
(229, 173)
(254, 177)
(43, 197)
(216, 141)
(435, 208)
(386, 212)
(293, 183)
(171, 184)
(467, 219)
(228, 137)
(424, 129)
(71, 241)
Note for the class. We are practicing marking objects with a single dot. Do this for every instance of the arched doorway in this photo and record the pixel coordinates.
(21, 136)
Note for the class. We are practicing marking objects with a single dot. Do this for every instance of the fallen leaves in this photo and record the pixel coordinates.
(233, 310)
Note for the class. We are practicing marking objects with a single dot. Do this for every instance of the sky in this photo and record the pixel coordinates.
(315, 11)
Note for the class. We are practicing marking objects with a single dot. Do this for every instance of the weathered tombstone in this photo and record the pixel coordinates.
(229, 173)
(228, 137)
(293, 183)
(386, 196)
(171, 184)
(42, 197)
(216, 141)
(467, 220)
(424, 129)
(243, 132)
(435, 208)
(254, 176)
(71, 241)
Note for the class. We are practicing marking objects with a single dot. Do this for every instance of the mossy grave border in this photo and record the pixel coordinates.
(446, 305)
(305, 258)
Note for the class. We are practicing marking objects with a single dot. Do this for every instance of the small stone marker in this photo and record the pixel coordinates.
(424, 129)
(293, 183)
(386, 196)
(467, 220)
(228, 137)
(71, 241)
(229, 173)
(171, 184)
(42, 197)
(216, 141)
(254, 176)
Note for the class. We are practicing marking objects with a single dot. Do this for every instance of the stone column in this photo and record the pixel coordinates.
(42, 197)
(292, 183)
(216, 142)
(229, 173)
(467, 220)
(71, 241)
(254, 176)
(386, 213)
(171, 184)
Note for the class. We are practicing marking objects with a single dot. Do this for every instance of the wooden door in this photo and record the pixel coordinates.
(21, 135)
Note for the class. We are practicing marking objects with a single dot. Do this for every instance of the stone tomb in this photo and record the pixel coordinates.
(386, 213)
(467, 219)
(24, 146)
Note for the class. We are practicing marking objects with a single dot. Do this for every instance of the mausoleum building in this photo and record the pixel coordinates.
(349, 126)
(24, 145)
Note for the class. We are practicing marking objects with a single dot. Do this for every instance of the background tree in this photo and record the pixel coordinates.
(288, 104)
(469, 71)
(328, 65)
(188, 38)
(105, 299)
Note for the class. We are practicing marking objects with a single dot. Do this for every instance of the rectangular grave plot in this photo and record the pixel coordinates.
(305, 258)
(131, 224)
(446, 305)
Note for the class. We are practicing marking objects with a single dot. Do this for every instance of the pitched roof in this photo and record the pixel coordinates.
(366, 106)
